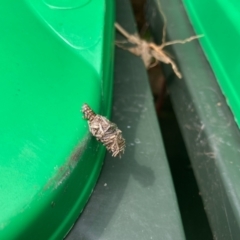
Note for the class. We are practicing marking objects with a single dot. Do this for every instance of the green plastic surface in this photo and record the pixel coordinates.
(218, 20)
(55, 56)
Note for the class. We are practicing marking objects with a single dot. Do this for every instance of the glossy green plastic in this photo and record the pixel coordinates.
(55, 56)
(218, 21)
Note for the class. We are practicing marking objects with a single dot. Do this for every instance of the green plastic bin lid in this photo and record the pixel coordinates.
(218, 21)
(55, 56)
